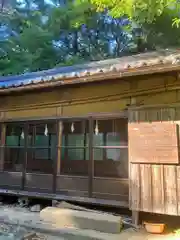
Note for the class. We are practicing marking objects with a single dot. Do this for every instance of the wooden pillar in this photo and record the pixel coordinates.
(33, 151)
(56, 160)
(135, 218)
(91, 160)
(25, 155)
(3, 141)
(59, 143)
(85, 133)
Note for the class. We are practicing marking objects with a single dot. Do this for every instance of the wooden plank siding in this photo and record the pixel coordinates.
(157, 190)
(154, 168)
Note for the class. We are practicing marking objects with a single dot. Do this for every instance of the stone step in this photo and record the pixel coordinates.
(69, 218)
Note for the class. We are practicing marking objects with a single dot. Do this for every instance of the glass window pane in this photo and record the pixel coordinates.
(53, 149)
(110, 132)
(98, 140)
(98, 154)
(113, 139)
(15, 135)
(40, 135)
(108, 154)
(74, 162)
(76, 154)
(75, 134)
(115, 164)
(38, 161)
(53, 141)
(13, 159)
(87, 154)
(75, 140)
(12, 140)
(114, 154)
(41, 140)
(110, 162)
(41, 154)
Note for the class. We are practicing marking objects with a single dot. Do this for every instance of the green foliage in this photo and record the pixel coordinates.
(140, 11)
(57, 34)
(161, 33)
(50, 36)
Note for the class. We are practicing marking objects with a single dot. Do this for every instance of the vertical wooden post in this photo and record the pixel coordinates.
(104, 144)
(55, 167)
(84, 131)
(91, 160)
(66, 152)
(25, 155)
(135, 218)
(59, 143)
(49, 146)
(3, 141)
(33, 151)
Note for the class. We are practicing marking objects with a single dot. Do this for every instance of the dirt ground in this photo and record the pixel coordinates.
(22, 218)
(129, 234)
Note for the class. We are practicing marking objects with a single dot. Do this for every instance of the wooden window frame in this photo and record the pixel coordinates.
(4, 146)
(57, 164)
(105, 139)
(33, 145)
(105, 147)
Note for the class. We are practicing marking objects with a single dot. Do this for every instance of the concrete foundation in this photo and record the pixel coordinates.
(82, 220)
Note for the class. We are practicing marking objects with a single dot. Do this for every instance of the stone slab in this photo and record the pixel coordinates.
(101, 222)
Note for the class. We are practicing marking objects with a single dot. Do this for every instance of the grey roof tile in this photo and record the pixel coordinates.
(79, 73)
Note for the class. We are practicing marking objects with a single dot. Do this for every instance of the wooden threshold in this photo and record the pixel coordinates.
(92, 201)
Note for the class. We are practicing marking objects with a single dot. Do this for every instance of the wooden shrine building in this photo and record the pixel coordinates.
(104, 133)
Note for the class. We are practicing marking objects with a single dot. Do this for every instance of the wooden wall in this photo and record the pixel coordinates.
(155, 188)
(107, 96)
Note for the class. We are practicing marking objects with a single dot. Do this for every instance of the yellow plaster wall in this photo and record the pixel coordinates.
(107, 96)
(95, 107)
(166, 97)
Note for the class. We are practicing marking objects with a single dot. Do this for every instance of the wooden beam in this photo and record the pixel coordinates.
(105, 115)
(25, 155)
(85, 134)
(3, 141)
(59, 143)
(91, 159)
(55, 167)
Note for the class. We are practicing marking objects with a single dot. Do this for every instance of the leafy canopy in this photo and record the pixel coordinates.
(140, 11)
(38, 35)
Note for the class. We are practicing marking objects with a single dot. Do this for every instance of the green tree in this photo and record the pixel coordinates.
(43, 36)
(139, 11)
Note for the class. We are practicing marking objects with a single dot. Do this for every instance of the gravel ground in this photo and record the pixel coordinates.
(13, 217)
(8, 232)
(15, 231)
(11, 232)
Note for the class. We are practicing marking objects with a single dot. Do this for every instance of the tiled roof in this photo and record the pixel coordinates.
(146, 63)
